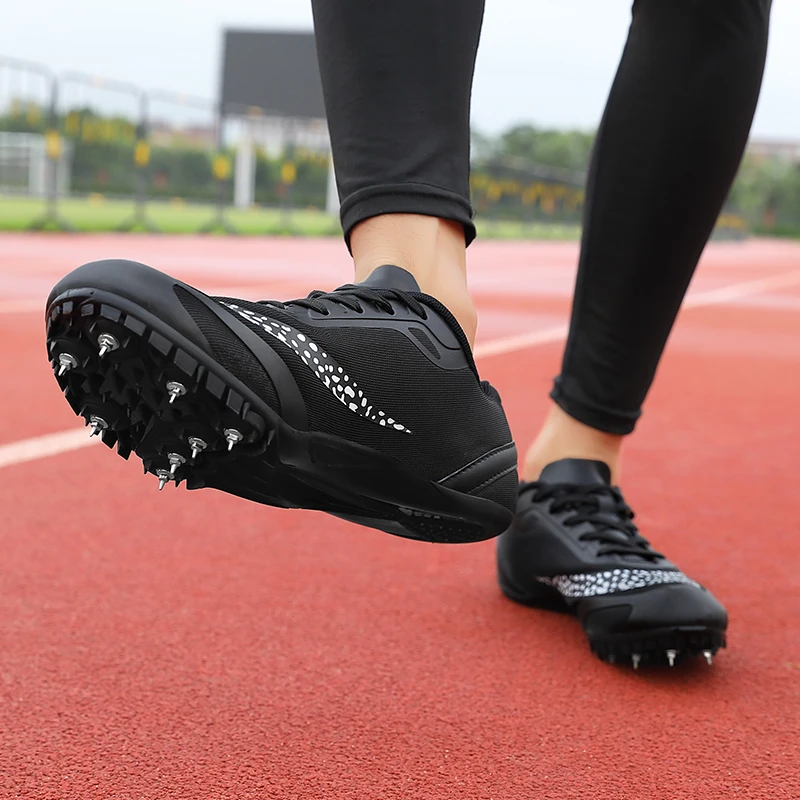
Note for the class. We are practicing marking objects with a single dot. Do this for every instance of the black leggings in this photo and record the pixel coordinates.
(397, 78)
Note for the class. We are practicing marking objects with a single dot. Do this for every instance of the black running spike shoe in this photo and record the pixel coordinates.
(573, 547)
(363, 402)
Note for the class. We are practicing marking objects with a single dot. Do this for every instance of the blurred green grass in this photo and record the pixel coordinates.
(97, 214)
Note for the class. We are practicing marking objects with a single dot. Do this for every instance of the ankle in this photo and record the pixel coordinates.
(562, 436)
(433, 250)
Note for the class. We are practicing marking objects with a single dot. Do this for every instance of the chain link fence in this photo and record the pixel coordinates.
(81, 152)
(24, 97)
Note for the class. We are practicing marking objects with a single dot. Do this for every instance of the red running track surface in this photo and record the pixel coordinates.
(189, 645)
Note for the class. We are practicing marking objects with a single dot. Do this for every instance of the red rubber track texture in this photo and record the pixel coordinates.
(192, 646)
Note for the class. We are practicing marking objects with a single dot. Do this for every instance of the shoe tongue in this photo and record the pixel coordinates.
(576, 470)
(391, 277)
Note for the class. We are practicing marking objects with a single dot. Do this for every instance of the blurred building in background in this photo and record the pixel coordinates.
(766, 149)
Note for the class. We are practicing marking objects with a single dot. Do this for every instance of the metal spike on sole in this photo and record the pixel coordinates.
(98, 425)
(709, 657)
(636, 659)
(66, 362)
(163, 478)
(671, 656)
(197, 445)
(232, 437)
(107, 343)
(175, 461)
(175, 390)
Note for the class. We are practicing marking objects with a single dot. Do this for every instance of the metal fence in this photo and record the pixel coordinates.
(513, 189)
(108, 153)
(97, 148)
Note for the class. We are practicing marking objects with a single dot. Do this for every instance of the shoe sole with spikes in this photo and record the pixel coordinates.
(144, 379)
(633, 628)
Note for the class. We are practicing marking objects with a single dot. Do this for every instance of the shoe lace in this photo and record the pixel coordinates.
(604, 508)
(352, 296)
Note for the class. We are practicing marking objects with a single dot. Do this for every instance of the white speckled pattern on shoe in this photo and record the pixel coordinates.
(325, 368)
(613, 581)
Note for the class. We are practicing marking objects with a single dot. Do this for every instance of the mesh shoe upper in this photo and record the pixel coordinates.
(386, 368)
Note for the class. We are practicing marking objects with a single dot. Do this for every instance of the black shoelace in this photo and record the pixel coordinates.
(604, 508)
(351, 296)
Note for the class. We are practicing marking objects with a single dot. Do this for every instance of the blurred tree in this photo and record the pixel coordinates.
(569, 150)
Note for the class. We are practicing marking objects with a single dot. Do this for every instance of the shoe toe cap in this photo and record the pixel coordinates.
(658, 607)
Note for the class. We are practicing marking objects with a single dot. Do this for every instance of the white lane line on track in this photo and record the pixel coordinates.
(724, 294)
(738, 291)
(508, 344)
(52, 444)
(710, 297)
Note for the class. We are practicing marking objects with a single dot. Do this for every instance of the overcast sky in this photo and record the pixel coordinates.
(175, 44)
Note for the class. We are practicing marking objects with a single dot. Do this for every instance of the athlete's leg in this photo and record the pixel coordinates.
(397, 78)
(668, 148)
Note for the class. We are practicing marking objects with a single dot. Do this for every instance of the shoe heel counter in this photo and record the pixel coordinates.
(492, 476)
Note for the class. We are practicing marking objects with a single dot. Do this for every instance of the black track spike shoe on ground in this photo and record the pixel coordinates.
(573, 547)
(363, 402)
